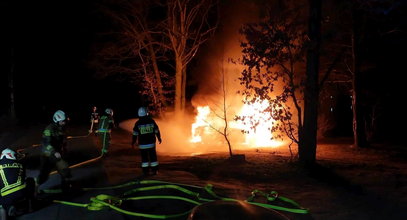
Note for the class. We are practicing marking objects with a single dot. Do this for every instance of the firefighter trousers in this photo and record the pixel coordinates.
(149, 160)
(48, 163)
(105, 141)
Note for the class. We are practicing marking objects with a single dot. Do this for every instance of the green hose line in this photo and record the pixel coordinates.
(289, 201)
(51, 191)
(103, 201)
(162, 187)
(164, 197)
(272, 196)
(71, 203)
(194, 194)
(97, 201)
(209, 189)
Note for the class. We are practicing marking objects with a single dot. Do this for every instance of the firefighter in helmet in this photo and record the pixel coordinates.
(53, 150)
(106, 123)
(15, 188)
(145, 133)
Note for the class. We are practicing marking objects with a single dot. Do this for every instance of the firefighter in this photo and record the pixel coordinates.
(94, 120)
(106, 124)
(53, 149)
(145, 133)
(15, 188)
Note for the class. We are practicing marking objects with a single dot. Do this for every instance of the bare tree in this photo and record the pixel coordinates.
(187, 28)
(352, 22)
(138, 50)
(222, 112)
(173, 37)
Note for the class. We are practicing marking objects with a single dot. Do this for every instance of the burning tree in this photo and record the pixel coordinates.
(273, 56)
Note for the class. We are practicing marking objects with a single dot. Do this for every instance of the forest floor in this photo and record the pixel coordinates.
(348, 183)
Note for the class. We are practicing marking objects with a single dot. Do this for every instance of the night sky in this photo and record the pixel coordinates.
(52, 42)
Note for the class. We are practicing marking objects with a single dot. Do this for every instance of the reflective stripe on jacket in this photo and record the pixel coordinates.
(12, 177)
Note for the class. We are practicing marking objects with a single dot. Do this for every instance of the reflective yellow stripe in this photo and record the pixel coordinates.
(13, 190)
(47, 133)
(10, 188)
(3, 177)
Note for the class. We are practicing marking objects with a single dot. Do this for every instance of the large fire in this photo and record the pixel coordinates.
(183, 135)
(254, 137)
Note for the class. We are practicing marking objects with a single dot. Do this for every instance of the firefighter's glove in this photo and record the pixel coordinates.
(159, 140)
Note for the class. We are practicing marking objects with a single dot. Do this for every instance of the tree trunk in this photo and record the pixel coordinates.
(184, 87)
(157, 76)
(178, 85)
(359, 132)
(308, 141)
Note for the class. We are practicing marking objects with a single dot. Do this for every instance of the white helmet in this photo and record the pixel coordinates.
(59, 116)
(109, 111)
(9, 154)
(142, 111)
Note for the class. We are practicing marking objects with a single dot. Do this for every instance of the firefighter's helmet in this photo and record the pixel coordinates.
(109, 111)
(142, 111)
(59, 116)
(9, 154)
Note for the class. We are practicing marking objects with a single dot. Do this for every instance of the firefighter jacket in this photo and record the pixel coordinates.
(53, 139)
(106, 123)
(146, 131)
(12, 181)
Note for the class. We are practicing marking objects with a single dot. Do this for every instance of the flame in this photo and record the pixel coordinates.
(261, 136)
(200, 121)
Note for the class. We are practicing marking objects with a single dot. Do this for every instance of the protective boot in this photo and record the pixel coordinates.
(32, 191)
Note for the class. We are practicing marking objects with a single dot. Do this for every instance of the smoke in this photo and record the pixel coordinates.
(213, 60)
(176, 135)
(212, 64)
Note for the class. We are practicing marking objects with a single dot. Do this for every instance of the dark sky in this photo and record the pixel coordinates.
(52, 41)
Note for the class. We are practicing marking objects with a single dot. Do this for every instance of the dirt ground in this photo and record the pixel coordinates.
(348, 183)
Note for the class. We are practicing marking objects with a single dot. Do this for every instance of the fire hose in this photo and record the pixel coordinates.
(39, 145)
(103, 201)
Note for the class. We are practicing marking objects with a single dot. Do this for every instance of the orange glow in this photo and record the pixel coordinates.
(261, 136)
(200, 122)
